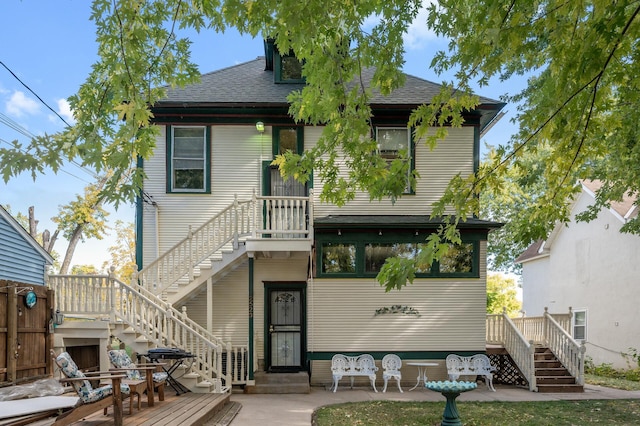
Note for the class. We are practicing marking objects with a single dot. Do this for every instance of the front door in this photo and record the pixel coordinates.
(285, 328)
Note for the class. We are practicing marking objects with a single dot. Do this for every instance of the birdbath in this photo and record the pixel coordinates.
(451, 390)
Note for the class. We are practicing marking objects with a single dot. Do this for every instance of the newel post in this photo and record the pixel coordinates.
(310, 233)
(254, 207)
(112, 293)
(183, 331)
(545, 326)
(236, 244)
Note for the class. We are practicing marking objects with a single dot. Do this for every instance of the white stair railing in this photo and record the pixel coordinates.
(521, 351)
(569, 352)
(161, 324)
(260, 217)
(181, 260)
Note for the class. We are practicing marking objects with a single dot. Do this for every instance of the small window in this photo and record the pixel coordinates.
(580, 325)
(375, 255)
(458, 260)
(287, 69)
(394, 143)
(338, 258)
(188, 153)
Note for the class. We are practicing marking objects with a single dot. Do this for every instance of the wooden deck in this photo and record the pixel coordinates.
(189, 409)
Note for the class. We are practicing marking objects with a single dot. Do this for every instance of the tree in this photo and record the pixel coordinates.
(511, 204)
(502, 294)
(84, 270)
(582, 96)
(82, 218)
(123, 252)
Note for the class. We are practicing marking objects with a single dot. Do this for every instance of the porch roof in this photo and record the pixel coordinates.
(398, 221)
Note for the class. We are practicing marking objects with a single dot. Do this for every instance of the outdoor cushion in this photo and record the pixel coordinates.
(120, 359)
(84, 389)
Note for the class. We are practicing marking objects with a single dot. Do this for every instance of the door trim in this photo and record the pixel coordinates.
(285, 285)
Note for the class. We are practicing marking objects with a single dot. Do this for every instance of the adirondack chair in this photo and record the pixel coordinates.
(91, 399)
(155, 379)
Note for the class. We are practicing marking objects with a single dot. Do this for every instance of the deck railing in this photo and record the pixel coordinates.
(501, 330)
(520, 335)
(260, 217)
(158, 321)
(569, 352)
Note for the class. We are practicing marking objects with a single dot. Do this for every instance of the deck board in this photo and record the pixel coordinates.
(190, 409)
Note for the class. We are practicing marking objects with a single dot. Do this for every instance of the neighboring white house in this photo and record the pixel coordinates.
(296, 298)
(594, 269)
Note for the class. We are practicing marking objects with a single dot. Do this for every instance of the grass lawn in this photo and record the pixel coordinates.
(390, 413)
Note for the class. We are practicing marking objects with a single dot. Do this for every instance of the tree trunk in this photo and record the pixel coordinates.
(33, 223)
(73, 242)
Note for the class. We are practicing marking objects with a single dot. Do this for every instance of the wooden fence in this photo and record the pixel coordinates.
(26, 332)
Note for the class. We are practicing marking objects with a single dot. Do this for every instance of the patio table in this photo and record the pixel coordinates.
(422, 371)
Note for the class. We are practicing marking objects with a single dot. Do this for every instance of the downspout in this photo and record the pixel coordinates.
(250, 342)
(156, 217)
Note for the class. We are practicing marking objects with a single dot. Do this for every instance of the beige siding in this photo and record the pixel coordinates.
(231, 299)
(237, 152)
(452, 156)
(452, 316)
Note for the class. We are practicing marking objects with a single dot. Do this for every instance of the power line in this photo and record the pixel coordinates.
(61, 170)
(34, 94)
(20, 129)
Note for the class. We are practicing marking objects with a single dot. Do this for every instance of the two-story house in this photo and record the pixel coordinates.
(593, 268)
(262, 263)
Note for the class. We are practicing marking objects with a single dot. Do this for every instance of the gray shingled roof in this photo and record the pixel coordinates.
(249, 83)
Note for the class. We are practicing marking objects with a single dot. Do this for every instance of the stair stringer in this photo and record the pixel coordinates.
(229, 262)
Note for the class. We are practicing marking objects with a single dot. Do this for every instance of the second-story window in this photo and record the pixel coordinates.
(188, 162)
(287, 69)
(394, 143)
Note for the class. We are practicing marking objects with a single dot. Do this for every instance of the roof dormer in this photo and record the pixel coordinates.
(286, 67)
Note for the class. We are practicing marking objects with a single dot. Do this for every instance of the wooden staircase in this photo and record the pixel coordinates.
(551, 376)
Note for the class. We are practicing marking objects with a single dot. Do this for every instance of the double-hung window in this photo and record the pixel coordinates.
(580, 325)
(395, 143)
(188, 152)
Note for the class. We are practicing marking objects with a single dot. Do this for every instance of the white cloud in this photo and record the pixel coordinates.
(64, 109)
(19, 105)
(418, 34)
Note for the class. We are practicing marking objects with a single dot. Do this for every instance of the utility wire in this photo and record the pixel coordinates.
(34, 94)
(62, 170)
(17, 127)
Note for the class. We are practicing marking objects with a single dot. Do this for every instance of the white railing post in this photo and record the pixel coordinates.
(112, 294)
(533, 386)
(311, 207)
(236, 243)
(190, 257)
(545, 327)
(254, 204)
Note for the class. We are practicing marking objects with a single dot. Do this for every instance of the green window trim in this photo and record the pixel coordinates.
(411, 151)
(280, 73)
(170, 164)
(360, 239)
(276, 138)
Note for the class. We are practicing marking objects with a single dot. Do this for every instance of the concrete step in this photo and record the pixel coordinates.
(280, 383)
(560, 388)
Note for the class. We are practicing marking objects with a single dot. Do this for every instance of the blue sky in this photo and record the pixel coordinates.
(50, 46)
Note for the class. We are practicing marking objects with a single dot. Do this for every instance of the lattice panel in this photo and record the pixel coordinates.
(507, 373)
